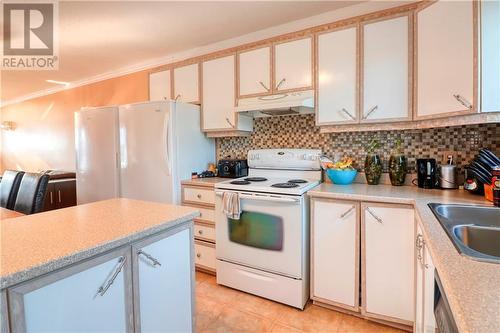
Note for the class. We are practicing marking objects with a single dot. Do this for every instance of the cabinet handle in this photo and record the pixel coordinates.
(149, 257)
(379, 220)
(198, 196)
(177, 97)
(419, 244)
(264, 86)
(370, 112)
(198, 255)
(59, 195)
(200, 232)
(229, 122)
(344, 214)
(348, 114)
(51, 198)
(463, 101)
(280, 83)
(105, 286)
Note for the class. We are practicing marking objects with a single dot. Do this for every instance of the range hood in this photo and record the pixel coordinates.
(301, 102)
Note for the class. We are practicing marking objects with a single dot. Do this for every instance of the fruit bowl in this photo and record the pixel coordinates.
(342, 176)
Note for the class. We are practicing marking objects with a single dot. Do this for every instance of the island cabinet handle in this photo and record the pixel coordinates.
(105, 286)
(59, 195)
(51, 198)
(378, 219)
(344, 214)
(153, 260)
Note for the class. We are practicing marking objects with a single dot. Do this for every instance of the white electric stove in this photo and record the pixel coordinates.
(266, 251)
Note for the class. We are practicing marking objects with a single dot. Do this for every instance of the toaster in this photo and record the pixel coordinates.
(229, 168)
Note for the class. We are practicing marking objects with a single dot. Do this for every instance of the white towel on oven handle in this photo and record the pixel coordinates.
(231, 205)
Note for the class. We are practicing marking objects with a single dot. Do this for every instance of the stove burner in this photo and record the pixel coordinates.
(256, 179)
(297, 181)
(240, 182)
(284, 185)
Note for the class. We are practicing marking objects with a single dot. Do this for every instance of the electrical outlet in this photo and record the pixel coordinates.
(447, 154)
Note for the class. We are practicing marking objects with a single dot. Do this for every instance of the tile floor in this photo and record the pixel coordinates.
(221, 309)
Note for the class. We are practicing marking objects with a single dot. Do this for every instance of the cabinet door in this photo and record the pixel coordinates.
(65, 193)
(218, 94)
(4, 316)
(386, 70)
(419, 282)
(49, 202)
(293, 65)
(335, 252)
(388, 262)
(186, 88)
(159, 86)
(163, 282)
(336, 78)
(93, 296)
(445, 59)
(490, 56)
(428, 298)
(254, 72)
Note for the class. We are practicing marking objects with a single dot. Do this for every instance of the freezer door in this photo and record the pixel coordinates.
(96, 143)
(145, 152)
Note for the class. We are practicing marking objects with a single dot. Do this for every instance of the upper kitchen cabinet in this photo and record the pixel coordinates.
(293, 68)
(186, 86)
(218, 96)
(386, 70)
(160, 86)
(490, 56)
(254, 72)
(445, 59)
(336, 78)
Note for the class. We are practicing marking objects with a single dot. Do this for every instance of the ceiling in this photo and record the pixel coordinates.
(99, 37)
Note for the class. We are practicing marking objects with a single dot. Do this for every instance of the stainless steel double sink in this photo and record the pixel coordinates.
(474, 230)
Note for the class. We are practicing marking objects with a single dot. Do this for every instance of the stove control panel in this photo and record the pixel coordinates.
(293, 159)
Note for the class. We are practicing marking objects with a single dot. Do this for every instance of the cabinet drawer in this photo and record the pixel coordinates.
(205, 255)
(205, 232)
(206, 214)
(199, 195)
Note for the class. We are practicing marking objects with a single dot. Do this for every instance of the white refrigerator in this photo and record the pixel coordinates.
(139, 151)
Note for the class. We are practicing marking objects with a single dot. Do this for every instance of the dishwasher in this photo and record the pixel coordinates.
(442, 312)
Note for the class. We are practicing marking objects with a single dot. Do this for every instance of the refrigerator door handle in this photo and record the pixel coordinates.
(166, 150)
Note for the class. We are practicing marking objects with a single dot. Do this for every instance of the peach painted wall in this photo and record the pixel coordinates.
(44, 137)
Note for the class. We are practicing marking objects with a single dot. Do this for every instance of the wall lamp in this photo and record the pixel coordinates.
(8, 125)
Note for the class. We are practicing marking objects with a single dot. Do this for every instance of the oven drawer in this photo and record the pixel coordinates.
(204, 255)
(204, 232)
(198, 195)
(275, 287)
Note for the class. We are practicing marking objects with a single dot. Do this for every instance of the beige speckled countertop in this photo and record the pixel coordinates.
(472, 287)
(33, 245)
(205, 182)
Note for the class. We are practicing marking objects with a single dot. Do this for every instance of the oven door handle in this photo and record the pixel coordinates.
(262, 197)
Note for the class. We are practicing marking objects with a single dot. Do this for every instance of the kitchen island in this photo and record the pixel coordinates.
(117, 265)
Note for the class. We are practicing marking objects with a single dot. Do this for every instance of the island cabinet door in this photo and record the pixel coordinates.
(89, 297)
(335, 252)
(387, 240)
(163, 276)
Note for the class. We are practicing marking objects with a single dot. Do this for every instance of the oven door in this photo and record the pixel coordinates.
(269, 234)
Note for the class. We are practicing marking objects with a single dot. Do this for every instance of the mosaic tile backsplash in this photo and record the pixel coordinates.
(300, 132)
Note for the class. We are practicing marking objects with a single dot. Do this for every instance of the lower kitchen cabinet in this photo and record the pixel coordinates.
(93, 296)
(163, 306)
(424, 304)
(387, 237)
(335, 252)
(146, 287)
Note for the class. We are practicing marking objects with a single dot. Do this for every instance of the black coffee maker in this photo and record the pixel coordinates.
(426, 172)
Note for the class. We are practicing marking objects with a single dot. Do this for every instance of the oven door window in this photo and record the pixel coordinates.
(258, 230)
